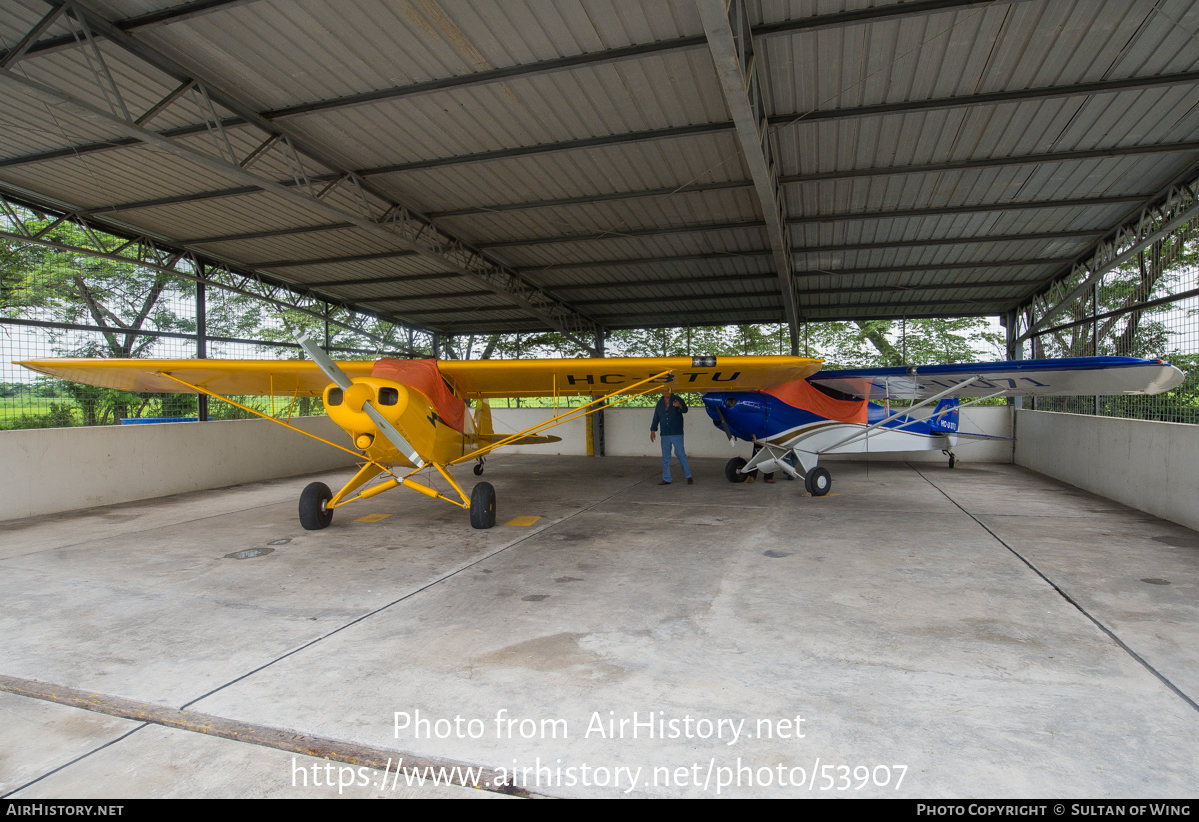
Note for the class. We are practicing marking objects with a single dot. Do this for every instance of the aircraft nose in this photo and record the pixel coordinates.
(357, 395)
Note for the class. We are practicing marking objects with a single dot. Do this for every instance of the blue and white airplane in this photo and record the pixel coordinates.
(848, 412)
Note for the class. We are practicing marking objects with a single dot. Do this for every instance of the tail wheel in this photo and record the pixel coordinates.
(952, 460)
(478, 469)
(482, 506)
(818, 481)
(732, 470)
(314, 511)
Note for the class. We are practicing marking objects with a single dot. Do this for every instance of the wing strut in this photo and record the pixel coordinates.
(865, 432)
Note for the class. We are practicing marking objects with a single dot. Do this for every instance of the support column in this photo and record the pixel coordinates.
(201, 344)
(1095, 330)
(597, 419)
(436, 345)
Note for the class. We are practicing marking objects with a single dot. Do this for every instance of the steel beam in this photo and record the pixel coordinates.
(785, 27)
(996, 238)
(810, 309)
(891, 10)
(173, 14)
(353, 258)
(591, 199)
(995, 162)
(799, 275)
(784, 120)
(983, 208)
(444, 295)
(795, 179)
(403, 278)
(654, 232)
(1178, 206)
(820, 291)
(730, 42)
(623, 234)
(270, 232)
(398, 224)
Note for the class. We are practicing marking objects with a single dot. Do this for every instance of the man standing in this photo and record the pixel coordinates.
(669, 412)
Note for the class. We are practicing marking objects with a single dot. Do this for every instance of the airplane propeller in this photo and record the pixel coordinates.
(333, 371)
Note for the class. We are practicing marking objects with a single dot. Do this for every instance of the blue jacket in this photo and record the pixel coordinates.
(670, 418)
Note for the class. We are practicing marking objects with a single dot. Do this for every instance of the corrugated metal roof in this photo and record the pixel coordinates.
(650, 123)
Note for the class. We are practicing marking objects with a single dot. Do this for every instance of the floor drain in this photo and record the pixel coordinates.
(1156, 581)
(250, 553)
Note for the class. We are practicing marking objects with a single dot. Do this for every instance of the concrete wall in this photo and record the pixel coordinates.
(63, 469)
(1151, 466)
(626, 434)
(47, 470)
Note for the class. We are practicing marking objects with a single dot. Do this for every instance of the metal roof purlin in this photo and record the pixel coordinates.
(730, 42)
(399, 224)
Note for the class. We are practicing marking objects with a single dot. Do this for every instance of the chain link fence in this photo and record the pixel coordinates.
(1148, 307)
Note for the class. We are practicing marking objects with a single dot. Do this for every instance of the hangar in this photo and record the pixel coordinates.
(450, 169)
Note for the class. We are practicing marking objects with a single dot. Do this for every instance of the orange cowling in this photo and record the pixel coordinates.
(424, 376)
(801, 394)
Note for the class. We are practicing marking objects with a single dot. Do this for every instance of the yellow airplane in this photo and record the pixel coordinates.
(405, 416)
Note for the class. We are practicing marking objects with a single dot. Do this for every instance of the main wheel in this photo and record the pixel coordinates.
(482, 506)
(732, 470)
(952, 460)
(818, 482)
(314, 513)
(478, 469)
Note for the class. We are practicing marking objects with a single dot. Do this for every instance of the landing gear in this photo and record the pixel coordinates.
(818, 481)
(732, 470)
(314, 513)
(479, 468)
(952, 459)
(482, 506)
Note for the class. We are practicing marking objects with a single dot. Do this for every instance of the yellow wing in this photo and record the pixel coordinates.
(547, 378)
(280, 377)
(469, 378)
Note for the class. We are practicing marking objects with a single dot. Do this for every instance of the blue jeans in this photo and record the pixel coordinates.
(675, 441)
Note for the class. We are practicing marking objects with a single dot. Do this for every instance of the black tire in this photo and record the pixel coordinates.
(313, 514)
(818, 482)
(482, 506)
(952, 460)
(478, 469)
(732, 470)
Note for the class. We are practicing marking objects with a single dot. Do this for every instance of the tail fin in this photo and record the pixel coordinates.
(945, 418)
(483, 419)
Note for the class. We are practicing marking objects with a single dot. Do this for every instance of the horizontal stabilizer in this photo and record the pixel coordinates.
(1079, 376)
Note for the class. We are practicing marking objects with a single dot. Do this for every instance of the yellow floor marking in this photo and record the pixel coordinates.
(372, 517)
(522, 521)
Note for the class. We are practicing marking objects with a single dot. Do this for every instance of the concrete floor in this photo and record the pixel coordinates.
(894, 616)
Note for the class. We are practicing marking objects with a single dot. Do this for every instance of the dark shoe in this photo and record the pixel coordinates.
(664, 482)
(689, 482)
